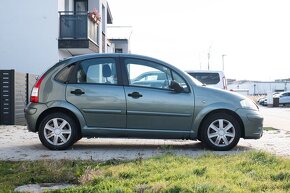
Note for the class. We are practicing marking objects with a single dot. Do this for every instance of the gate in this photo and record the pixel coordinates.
(14, 96)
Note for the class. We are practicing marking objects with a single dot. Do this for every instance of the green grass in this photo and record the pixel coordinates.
(270, 129)
(243, 172)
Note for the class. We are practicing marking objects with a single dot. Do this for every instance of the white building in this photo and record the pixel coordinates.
(35, 34)
(260, 88)
(119, 37)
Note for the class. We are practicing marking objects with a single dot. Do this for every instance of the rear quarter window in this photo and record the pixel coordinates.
(63, 75)
(206, 78)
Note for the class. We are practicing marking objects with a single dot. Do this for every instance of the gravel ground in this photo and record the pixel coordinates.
(16, 143)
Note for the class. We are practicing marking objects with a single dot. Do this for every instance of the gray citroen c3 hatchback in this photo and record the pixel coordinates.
(118, 96)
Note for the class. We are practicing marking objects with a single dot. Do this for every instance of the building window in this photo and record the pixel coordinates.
(81, 6)
(118, 50)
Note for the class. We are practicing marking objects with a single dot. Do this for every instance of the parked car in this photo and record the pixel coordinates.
(263, 102)
(211, 78)
(96, 95)
(284, 98)
(151, 79)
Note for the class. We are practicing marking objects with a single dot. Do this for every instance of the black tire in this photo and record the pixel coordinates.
(79, 137)
(226, 138)
(57, 138)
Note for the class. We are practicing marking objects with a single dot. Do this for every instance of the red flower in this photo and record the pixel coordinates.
(94, 16)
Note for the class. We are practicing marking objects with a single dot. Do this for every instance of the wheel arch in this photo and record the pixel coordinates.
(57, 110)
(227, 111)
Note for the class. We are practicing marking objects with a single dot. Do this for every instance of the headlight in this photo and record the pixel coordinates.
(248, 104)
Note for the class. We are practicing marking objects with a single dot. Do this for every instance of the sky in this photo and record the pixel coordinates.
(254, 35)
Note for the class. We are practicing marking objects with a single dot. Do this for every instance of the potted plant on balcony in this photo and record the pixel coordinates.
(94, 16)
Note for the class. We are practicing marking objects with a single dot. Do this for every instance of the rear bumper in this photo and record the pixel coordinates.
(253, 123)
(32, 113)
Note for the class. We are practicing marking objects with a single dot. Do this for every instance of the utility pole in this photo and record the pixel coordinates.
(223, 60)
(208, 57)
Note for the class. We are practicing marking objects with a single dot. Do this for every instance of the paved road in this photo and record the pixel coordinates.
(278, 118)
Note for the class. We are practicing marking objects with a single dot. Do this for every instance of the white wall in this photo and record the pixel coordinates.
(28, 35)
(61, 5)
(63, 54)
(260, 87)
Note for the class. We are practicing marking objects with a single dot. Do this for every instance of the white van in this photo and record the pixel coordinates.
(211, 78)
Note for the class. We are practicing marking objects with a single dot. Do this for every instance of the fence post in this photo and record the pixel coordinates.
(27, 88)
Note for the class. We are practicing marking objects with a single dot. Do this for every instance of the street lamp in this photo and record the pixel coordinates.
(223, 59)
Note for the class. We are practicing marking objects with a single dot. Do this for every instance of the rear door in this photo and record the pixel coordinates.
(97, 93)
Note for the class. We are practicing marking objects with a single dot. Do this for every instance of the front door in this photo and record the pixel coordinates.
(154, 110)
(97, 94)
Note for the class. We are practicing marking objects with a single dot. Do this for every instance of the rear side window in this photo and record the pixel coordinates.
(63, 75)
(98, 71)
(206, 78)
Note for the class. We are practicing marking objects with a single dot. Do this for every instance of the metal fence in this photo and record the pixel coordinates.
(77, 25)
(14, 96)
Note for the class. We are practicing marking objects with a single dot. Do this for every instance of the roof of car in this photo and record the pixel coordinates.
(91, 56)
(94, 55)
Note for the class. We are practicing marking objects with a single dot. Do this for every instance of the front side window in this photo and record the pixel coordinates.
(177, 78)
(147, 74)
(98, 71)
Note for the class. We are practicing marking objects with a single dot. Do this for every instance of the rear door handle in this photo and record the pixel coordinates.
(77, 92)
(135, 95)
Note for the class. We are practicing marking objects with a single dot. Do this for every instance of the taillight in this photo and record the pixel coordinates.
(34, 97)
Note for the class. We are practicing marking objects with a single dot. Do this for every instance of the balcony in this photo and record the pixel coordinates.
(77, 33)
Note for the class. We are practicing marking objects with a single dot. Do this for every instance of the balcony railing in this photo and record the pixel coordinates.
(77, 25)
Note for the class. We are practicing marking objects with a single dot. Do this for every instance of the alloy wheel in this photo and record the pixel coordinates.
(57, 131)
(221, 132)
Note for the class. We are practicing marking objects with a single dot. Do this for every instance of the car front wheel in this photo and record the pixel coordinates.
(57, 131)
(220, 132)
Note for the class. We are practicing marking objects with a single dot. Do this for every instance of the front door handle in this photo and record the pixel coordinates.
(77, 92)
(135, 95)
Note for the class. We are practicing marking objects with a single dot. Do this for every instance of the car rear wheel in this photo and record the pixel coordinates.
(220, 132)
(57, 131)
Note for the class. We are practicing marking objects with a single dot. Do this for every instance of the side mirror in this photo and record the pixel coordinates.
(175, 86)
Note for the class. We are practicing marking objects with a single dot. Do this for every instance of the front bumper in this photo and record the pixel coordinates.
(253, 123)
(32, 112)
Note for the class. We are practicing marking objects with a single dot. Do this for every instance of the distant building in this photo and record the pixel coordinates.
(282, 80)
(230, 81)
(35, 34)
(259, 87)
(120, 45)
(120, 36)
